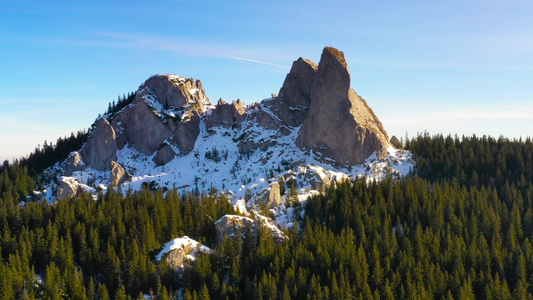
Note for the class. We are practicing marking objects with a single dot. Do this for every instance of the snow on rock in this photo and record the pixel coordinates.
(181, 250)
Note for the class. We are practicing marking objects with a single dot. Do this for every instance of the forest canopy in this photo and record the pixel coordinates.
(460, 227)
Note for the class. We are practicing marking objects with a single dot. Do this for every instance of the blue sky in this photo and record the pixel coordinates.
(443, 66)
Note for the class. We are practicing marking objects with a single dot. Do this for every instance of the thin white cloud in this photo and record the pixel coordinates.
(177, 45)
(259, 62)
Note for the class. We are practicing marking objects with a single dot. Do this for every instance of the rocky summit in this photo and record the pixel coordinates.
(316, 131)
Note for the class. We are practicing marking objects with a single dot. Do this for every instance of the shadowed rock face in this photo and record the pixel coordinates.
(226, 115)
(101, 148)
(340, 126)
(292, 103)
(140, 127)
(164, 155)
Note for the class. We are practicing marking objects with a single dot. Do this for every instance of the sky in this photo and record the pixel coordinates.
(450, 67)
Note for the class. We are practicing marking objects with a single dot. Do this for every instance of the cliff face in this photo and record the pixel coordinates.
(340, 126)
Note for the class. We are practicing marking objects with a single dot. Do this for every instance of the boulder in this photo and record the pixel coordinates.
(181, 251)
(101, 147)
(67, 189)
(292, 103)
(226, 115)
(138, 126)
(340, 127)
(395, 141)
(164, 155)
(118, 174)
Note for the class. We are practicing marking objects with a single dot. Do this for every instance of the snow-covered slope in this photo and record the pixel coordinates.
(216, 162)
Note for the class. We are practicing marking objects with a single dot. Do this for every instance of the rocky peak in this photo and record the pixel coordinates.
(292, 103)
(226, 115)
(178, 92)
(340, 127)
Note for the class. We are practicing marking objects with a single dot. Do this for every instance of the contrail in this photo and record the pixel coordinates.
(259, 62)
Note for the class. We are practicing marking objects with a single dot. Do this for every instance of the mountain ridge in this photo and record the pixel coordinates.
(317, 131)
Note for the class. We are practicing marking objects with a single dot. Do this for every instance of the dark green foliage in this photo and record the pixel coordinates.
(461, 230)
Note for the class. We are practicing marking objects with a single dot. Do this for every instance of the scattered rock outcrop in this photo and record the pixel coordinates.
(181, 251)
(233, 225)
(268, 198)
(73, 164)
(101, 148)
(118, 174)
(340, 126)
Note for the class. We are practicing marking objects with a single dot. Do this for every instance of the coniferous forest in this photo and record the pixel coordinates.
(459, 227)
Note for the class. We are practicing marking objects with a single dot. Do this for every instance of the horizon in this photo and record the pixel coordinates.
(445, 68)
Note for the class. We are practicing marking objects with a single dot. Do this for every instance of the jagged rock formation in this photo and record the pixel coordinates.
(337, 124)
(316, 131)
(226, 115)
(340, 125)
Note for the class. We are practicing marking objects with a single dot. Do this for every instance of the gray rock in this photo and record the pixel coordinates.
(164, 155)
(118, 174)
(269, 197)
(340, 126)
(186, 133)
(226, 115)
(293, 101)
(138, 126)
(66, 189)
(233, 225)
(395, 141)
(73, 163)
(175, 91)
(317, 181)
(101, 147)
